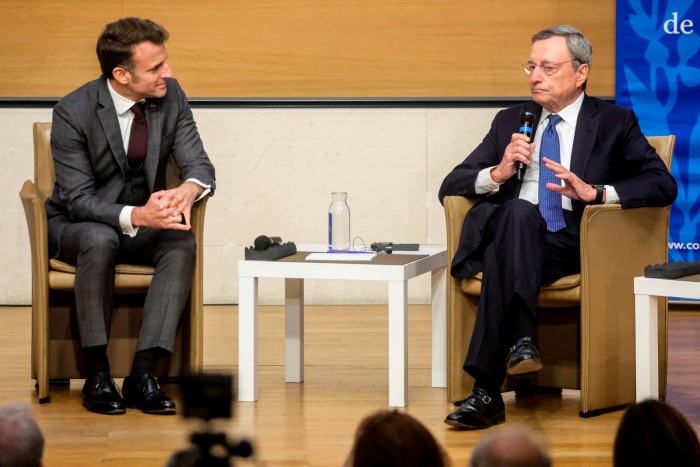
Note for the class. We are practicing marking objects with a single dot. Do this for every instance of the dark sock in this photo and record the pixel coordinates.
(95, 360)
(145, 360)
(489, 386)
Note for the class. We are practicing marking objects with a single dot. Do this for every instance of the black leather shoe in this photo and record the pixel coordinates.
(143, 392)
(100, 395)
(479, 410)
(523, 358)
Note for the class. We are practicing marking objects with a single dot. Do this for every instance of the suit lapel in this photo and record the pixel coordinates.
(584, 138)
(108, 119)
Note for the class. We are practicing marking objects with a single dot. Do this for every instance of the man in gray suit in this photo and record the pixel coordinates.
(111, 140)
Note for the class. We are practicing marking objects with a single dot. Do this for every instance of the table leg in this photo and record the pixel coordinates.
(294, 330)
(247, 338)
(646, 325)
(398, 339)
(439, 338)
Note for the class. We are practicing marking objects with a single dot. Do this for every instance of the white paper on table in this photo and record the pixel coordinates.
(340, 256)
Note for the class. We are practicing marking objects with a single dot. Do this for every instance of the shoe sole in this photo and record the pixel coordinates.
(170, 411)
(111, 412)
(466, 426)
(161, 411)
(524, 367)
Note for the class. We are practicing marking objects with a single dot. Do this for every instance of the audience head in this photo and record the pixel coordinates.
(394, 439)
(115, 46)
(510, 447)
(654, 433)
(21, 441)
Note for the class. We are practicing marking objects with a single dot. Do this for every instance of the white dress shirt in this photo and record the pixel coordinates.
(566, 130)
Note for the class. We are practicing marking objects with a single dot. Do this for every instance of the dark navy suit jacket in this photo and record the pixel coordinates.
(609, 149)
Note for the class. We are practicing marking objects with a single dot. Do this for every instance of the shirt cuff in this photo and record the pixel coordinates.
(207, 188)
(611, 196)
(125, 221)
(484, 183)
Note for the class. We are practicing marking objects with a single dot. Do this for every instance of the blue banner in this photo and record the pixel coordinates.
(658, 75)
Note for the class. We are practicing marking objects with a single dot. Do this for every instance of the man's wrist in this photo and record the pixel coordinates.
(195, 188)
(495, 180)
(135, 216)
(599, 194)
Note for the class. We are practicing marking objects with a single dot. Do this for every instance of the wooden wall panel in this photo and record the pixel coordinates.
(306, 48)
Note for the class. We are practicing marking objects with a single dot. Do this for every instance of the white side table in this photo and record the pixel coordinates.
(294, 271)
(646, 294)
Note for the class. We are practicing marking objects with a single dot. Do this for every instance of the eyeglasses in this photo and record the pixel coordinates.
(548, 68)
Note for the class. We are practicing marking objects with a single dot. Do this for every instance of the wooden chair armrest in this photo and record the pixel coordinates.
(456, 208)
(35, 214)
(460, 311)
(616, 245)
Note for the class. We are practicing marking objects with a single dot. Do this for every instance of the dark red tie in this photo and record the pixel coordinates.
(138, 141)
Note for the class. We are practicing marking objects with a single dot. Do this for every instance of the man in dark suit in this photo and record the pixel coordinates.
(583, 151)
(111, 140)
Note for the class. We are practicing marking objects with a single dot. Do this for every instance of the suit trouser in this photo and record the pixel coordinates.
(520, 254)
(96, 248)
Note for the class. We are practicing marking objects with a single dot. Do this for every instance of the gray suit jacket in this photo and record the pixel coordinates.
(90, 160)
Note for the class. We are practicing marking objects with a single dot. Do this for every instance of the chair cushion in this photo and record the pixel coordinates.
(61, 266)
(563, 292)
(130, 278)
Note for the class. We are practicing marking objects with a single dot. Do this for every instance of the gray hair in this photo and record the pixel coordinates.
(21, 441)
(579, 47)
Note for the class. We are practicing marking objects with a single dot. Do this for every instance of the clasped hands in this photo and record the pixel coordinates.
(166, 209)
(520, 150)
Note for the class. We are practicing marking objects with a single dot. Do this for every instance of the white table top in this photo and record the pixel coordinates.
(429, 258)
(685, 287)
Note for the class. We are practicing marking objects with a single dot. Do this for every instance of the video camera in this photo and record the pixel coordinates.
(206, 397)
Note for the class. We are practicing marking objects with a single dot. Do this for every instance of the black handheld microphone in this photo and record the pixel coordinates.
(263, 242)
(527, 123)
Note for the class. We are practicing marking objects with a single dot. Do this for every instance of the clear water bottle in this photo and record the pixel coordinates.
(339, 222)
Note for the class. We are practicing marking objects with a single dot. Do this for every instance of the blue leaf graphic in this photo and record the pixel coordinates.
(690, 76)
(677, 7)
(656, 53)
(688, 45)
(642, 26)
(644, 102)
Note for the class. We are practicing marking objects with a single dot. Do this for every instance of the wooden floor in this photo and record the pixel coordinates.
(312, 424)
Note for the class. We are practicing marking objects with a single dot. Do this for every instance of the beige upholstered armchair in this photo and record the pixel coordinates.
(590, 347)
(56, 353)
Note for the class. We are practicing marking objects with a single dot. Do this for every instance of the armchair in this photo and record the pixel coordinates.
(56, 350)
(585, 327)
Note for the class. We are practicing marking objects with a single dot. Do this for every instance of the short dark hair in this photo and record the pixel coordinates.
(395, 439)
(115, 47)
(655, 433)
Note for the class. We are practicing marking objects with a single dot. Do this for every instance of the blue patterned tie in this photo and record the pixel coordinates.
(550, 202)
